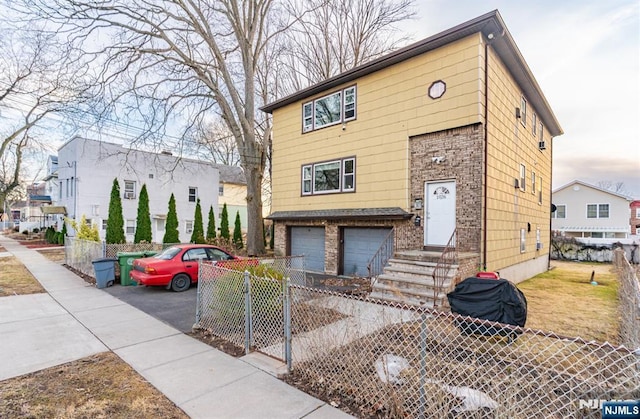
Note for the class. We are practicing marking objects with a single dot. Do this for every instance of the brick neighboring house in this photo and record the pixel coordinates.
(447, 138)
(635, 217)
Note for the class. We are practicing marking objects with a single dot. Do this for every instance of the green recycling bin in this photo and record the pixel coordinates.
(125, 260)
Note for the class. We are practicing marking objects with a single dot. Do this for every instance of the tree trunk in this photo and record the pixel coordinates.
(255, 240)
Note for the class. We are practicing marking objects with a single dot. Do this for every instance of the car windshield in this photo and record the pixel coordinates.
(168, 253)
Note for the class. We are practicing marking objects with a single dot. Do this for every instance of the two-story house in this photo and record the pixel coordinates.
(587, 211)
(444, 143)
(87, 168)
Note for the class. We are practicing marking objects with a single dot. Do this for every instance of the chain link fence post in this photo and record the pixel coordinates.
(287, 322)
(247, 313)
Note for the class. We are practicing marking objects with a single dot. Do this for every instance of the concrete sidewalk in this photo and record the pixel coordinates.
(74, 320)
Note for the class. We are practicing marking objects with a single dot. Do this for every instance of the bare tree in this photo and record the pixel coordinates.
(617, 187)
(36, 82)
(336, 36)
(180, 57)
(214, 142)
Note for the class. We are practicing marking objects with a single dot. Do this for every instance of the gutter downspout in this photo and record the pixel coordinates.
(488, 42)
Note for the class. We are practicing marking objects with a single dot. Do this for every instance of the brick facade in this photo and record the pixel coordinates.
(462, 148)
(635, 217)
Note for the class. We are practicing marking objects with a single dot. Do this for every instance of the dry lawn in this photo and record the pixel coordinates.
(55, 254)
(15, 279)
(563, 301)
(100, 386)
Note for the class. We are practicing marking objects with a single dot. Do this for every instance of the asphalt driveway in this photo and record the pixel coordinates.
(177, 309)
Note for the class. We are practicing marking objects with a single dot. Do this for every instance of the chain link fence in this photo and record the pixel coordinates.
(401, 361)
(629, 293)
(389, 360)
(112, 249)
(243, 301)
(79, 254)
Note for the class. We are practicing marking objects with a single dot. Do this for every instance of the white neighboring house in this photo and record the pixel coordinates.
(86, 169)
(587, 212)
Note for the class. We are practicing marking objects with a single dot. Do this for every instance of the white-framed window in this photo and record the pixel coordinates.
(560, 212)
(523, 111)
(348, 174)
(73, 182)
(541, 131)
(131, 227)
(597, 210)
(328, 110)
(221, 189)
(539, 180)
(533, 183)
(150, 175)
(129, 189)
(104, 224)
(523, 240)
(350, 103)
(334, 176)
(193, 194)
(188, 226)
(534, 124)
(66, 189)
(523, 177)
(307, 117)
(307, 178)
(638, 212)
(88, 222)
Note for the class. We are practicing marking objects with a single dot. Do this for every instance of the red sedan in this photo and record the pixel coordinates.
(176, 267)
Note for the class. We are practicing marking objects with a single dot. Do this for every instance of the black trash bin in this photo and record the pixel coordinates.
(105, 271)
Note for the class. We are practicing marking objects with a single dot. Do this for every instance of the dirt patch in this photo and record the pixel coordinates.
(15, 279)
(100, 386)
(223, 345)
(351, 286)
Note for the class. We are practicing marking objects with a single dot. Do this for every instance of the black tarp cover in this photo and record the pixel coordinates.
(496, 300)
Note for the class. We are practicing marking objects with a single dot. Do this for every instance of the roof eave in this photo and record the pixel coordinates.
(489, 23)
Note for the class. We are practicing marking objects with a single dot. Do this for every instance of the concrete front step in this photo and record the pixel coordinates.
(410, 271)
(417, 256)
(405, 282)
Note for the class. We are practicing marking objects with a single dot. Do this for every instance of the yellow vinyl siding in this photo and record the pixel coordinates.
(510, 144)
(392, 105)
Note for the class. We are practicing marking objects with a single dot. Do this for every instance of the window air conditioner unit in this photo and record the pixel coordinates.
(542, 145)
(129, 195)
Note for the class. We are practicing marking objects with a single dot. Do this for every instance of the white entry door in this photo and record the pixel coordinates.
(439, 212)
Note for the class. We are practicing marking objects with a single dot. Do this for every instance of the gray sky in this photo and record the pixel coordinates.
(585, 56)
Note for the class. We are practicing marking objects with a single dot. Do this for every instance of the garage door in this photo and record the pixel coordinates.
(309, 241)
(360, 245)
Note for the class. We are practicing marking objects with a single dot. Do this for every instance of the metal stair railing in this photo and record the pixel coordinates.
(447, 259)
(383, 254)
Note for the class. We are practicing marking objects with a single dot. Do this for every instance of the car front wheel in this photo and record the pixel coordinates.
(180, 282)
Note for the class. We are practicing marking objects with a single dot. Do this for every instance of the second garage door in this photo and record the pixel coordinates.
(309, 241)
(360, 245)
